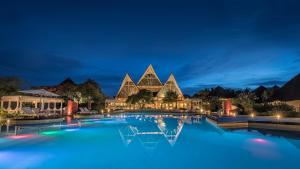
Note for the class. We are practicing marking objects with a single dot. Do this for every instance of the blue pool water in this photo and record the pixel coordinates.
(149, 142)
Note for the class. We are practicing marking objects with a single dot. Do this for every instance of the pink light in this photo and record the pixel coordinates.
(72, 124)
(22, 136)
(260, 140)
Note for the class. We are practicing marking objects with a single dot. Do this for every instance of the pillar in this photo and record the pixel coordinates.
(9, 103)
(20, 106)
(61, 108)
(42, 105)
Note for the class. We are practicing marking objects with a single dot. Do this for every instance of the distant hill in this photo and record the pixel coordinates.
(291, 90)
(69, 88)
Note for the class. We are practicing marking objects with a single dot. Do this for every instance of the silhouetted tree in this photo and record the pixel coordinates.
(170, 97)
(91, 93)
(142, 97)
(9, 85)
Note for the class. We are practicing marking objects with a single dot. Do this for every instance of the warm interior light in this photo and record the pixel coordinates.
(252, 115)
(278, 116)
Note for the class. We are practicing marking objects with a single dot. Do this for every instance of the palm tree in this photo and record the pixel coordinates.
(170, 97)
(142, 97)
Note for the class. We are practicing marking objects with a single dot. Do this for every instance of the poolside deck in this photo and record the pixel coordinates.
(260, 122)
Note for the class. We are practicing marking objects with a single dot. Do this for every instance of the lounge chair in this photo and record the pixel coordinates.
(83, 111)
(86, 111)
(27, 111)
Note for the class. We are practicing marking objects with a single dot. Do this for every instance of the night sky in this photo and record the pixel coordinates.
(232, 43)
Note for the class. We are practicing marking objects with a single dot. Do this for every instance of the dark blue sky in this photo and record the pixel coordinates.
(231, 43)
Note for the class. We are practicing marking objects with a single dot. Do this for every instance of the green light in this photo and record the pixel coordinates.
(89, 122)
(54, 132)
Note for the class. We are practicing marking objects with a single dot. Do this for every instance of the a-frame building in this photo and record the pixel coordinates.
(170, 85)
(127, 88)
(150, 80)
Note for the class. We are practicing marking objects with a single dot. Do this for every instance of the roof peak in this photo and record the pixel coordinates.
(150, 70)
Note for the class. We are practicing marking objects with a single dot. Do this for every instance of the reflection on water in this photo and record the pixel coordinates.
(149, 130)
(134, 141)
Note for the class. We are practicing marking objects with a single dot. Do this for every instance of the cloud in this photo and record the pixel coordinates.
(36, 63)
(268, 83)
(35, 67)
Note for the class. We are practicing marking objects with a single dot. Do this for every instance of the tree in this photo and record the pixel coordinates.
(170, 97)
(215, 104)
(218, 91)
(142, 97)
(203, 94)
(4, 115)
(91, 93)
(133, 99)
(282, 107)
(9, 85)
(67, 89)
(245, 101)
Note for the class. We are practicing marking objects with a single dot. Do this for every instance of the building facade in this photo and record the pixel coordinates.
(33, 102)
(150, 82)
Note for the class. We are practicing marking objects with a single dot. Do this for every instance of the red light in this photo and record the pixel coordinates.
(22, 136)
(69, 120)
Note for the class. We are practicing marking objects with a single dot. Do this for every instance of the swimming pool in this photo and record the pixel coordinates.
(135, 141)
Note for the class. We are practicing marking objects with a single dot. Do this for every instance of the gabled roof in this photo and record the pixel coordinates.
(39, 92)
(149, 78)
(127, 88)
(170, 85)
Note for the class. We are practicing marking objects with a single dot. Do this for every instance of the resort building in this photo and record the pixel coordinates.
(33, 102)
(150, 82)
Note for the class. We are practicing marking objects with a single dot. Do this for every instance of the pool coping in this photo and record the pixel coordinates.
(269, 125)
(33, 122)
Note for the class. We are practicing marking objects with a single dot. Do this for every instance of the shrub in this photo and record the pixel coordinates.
(291, 114)
(282, 107)
(260, 108)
